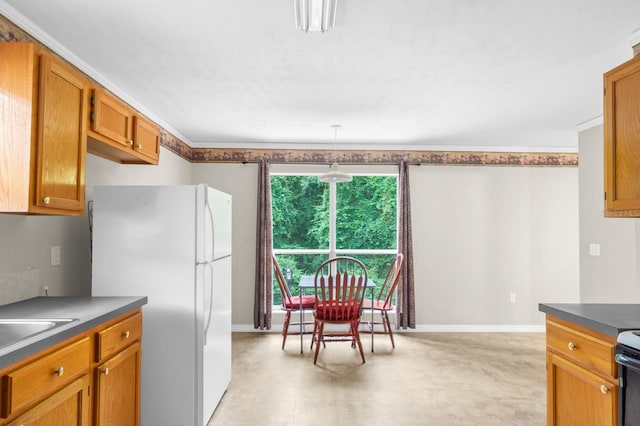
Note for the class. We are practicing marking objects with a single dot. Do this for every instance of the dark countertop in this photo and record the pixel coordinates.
(607, 318)
(88, 311)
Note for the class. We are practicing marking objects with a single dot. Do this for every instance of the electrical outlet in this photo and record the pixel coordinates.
(55, 256)
(512, 297)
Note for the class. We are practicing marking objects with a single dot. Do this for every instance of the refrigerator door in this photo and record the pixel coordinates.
(213, 300)
(217, 349)
(220, 205)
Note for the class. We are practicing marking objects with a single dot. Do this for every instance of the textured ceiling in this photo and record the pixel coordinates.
(405, 74)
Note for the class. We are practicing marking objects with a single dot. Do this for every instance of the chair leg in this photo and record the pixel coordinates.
(320, 329)
(388, 327)
(356, 335)
(285, 327)
(313, 335)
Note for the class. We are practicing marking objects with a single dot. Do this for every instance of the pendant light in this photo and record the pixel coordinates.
(334, 175)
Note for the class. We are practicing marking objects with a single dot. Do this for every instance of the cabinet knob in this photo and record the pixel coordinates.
(106, 371)
(59, 371)
(604, 389)
(571, 346)
(139, 146)
(126, 334)
(130, 142)
(46, 200)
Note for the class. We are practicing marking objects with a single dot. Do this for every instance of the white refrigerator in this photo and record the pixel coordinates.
(173, 245)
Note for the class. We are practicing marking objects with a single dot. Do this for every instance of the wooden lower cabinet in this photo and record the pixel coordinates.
(582, 381)
(92, 378)
(118, 389)
(577, 396)
(69, 407)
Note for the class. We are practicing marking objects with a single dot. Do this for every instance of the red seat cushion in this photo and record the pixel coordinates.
(337, 311)
(307, 302)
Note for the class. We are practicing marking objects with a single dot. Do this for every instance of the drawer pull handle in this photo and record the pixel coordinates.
(126, 334)
(571, 346)
(604, 389)
(59, 371)
(106, 371)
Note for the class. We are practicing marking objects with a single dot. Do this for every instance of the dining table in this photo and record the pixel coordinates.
(308, 281)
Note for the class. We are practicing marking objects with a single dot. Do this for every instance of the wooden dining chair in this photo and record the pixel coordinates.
(292, 304)
(382, 303)
(339, 286)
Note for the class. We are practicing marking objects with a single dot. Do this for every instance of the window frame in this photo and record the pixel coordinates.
(332, 250)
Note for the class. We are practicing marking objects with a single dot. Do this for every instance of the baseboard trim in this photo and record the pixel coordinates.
(424, 328)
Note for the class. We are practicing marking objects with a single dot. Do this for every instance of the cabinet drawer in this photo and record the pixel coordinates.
(44, 375)
(583, 348)
(119, 336)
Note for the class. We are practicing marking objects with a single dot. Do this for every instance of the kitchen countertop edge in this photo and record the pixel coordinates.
(608, 318)
(88, 312)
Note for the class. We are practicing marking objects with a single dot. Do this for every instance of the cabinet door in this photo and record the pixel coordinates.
(622, 139)
(118, 389)
(61, 137)
(578, 397)
(111, 118)
(69, 406)
(146, 139)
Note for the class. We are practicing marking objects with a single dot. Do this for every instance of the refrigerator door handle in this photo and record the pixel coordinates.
(209, 312)
(213, 233)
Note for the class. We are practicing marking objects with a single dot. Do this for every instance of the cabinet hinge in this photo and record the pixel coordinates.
(604, 91)
(88, 390)
(92, 101)
(605, 196)
(92, 117)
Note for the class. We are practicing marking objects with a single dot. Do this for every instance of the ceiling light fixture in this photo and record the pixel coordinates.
(315, 15)
(334, 175)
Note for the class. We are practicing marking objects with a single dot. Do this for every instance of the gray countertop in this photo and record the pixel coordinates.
(87, 311)
(607, 318)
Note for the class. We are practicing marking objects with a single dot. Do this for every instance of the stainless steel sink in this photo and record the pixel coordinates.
(14, 330)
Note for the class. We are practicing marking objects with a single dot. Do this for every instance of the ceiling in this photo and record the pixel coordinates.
(404, 74)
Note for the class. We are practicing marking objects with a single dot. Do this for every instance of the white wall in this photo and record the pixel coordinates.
(613, 276)
(480, 233)
(241, 181)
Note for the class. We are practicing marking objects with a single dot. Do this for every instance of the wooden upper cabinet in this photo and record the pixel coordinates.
(622, 139)
(118, 133)
(146, 139)
(111, 118)
(43, 105)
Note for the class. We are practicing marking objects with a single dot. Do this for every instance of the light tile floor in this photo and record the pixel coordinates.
(439, 379)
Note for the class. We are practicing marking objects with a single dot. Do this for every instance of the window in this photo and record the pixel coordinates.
(313, 221)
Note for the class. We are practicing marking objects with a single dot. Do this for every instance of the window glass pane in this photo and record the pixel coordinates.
(300, 212)
(366, 213)
(293, 267)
